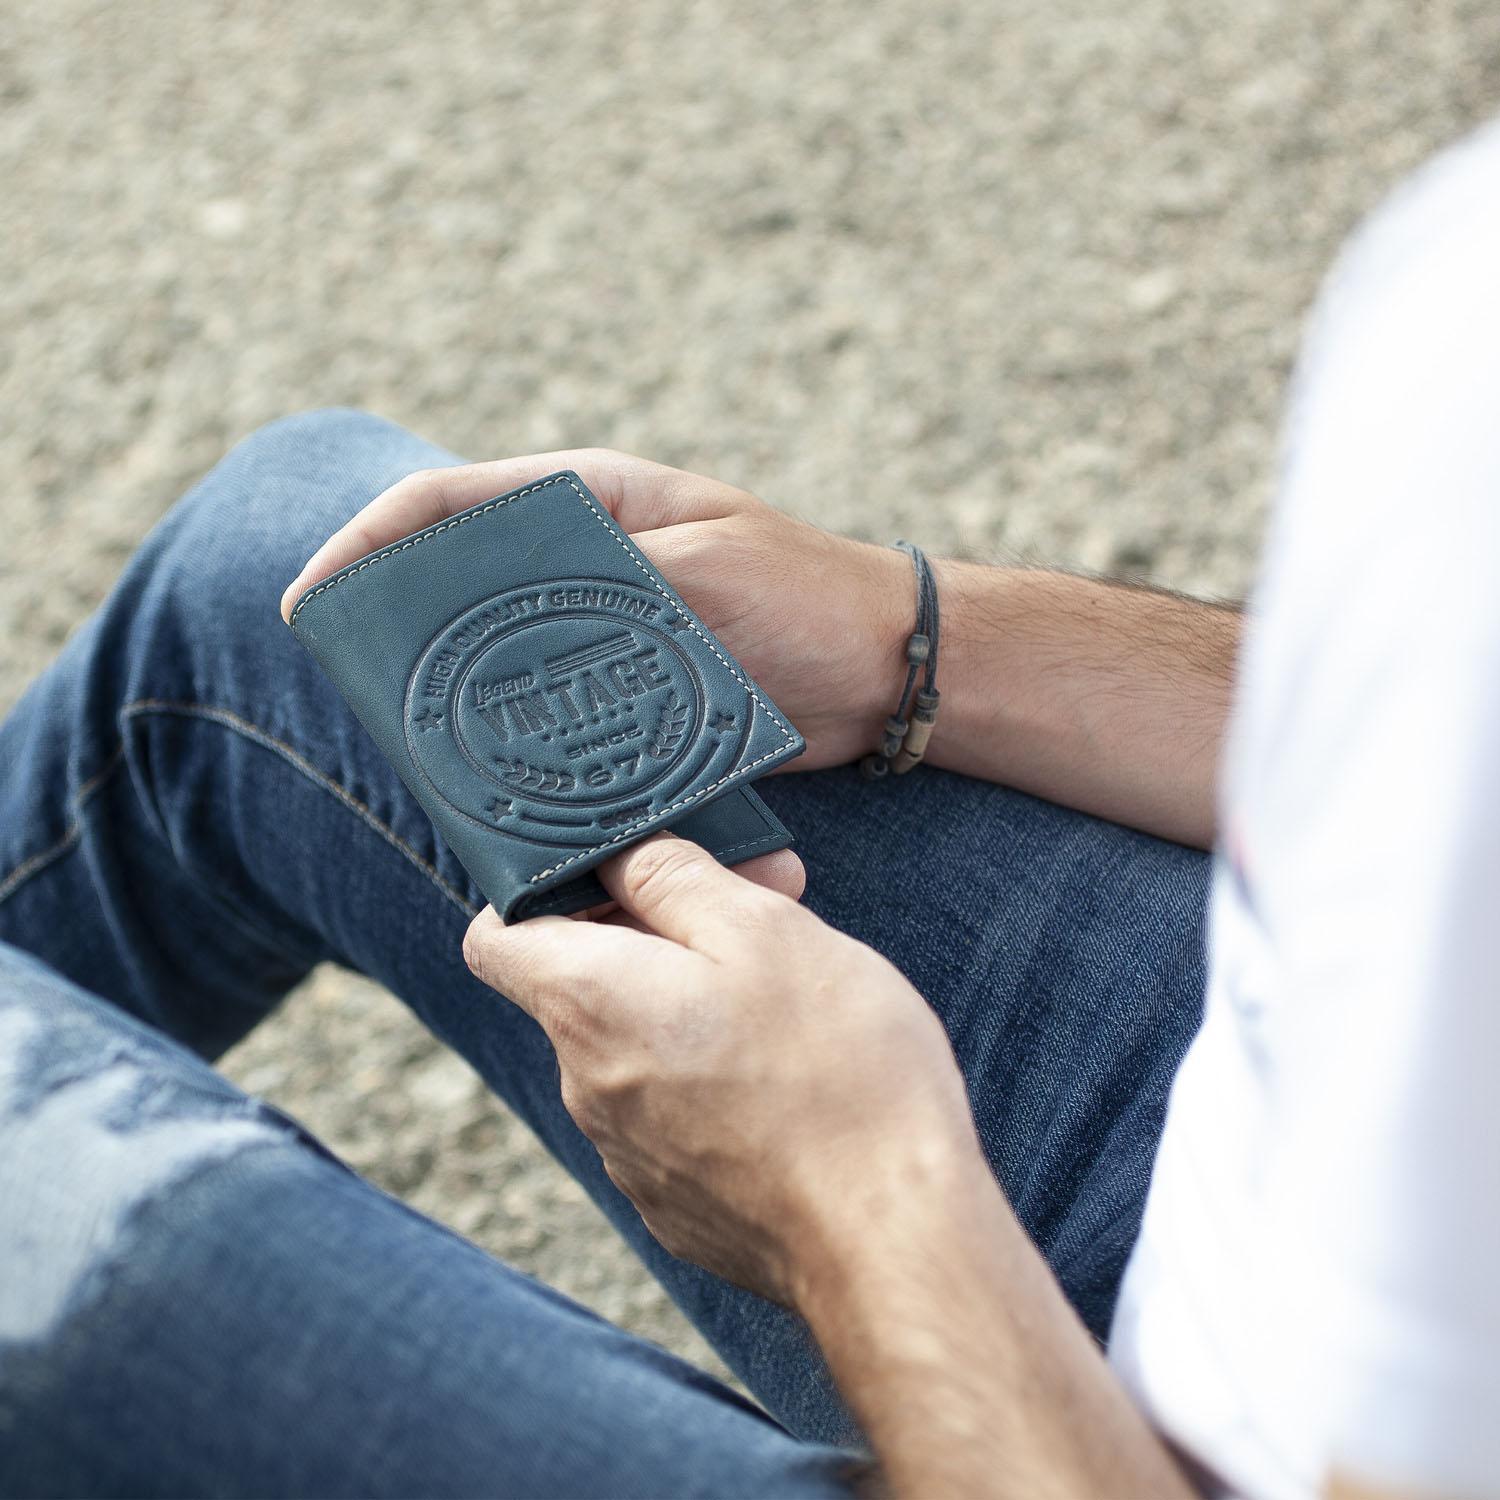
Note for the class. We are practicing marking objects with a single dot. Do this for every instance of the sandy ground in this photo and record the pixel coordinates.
(1012, 278)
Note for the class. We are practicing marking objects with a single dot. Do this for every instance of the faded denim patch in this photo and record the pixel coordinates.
(96, 1120)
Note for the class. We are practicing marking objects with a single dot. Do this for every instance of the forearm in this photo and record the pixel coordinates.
(1100, 696)
(958, 1353)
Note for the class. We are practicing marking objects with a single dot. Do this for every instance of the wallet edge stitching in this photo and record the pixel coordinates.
(472, 514)
(631, 829)
(592, 506)
(772, 838)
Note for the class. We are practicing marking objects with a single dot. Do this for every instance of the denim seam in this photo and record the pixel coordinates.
(277, 937)
(226, 719)
(34, 864)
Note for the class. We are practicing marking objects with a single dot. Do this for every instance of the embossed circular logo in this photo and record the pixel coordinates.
(569, 711)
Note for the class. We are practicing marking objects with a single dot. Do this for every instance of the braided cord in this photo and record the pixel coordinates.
(908, 730)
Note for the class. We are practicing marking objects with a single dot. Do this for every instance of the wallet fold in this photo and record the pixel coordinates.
(547, 696)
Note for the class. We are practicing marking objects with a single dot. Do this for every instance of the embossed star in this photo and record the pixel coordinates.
(678, 621)
(428, 719)
(498, 807)
(721, 721)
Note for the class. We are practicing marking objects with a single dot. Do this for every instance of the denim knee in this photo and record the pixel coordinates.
(240, 536)
(317, 436)
(98, 1116)
(300, 477)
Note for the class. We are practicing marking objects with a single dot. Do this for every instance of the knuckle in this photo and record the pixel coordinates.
(565, 1023)
(476, 955)
(682, 550)
(615, 1080)
(610, 456)
(657, 872)
(512, 963)
(579, 1104)
(628, 1185)
(664, 1232)
(434, 485)
(764, 914)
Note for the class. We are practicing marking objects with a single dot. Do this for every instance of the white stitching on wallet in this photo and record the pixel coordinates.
(764, 838)
(630, 828)
(634, 556)
(421, 536)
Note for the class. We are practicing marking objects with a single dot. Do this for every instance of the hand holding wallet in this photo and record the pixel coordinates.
(546, 695)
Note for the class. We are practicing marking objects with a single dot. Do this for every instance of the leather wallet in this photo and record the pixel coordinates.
(547, 696)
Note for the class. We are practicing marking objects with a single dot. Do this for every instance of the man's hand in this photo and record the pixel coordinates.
(759, 1085)
(819, 620)
(1103, 698)
(783, 1109)
(774, 1097)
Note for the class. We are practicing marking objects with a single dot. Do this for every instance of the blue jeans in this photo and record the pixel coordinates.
(196, 1297)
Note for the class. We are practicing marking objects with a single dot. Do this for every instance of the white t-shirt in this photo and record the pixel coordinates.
(1317, 1283)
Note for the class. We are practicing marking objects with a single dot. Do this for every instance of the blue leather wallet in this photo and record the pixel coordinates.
(547, 696)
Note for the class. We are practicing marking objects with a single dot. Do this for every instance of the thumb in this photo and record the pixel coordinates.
(680, 891)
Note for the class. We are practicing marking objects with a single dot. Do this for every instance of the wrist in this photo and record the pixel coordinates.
(890, 1211)
(886, 616)
(855, 659)
(981, 606)
(891, 617)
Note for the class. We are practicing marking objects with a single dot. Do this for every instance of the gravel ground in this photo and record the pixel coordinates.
(1014, 278)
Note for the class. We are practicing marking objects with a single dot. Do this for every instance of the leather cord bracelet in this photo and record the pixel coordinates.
(908, 730)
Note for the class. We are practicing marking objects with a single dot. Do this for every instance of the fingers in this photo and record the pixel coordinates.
(680, 891)
(548, 962)
(780, 871)
(423, 499)
(639, 494)
(411, 504)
